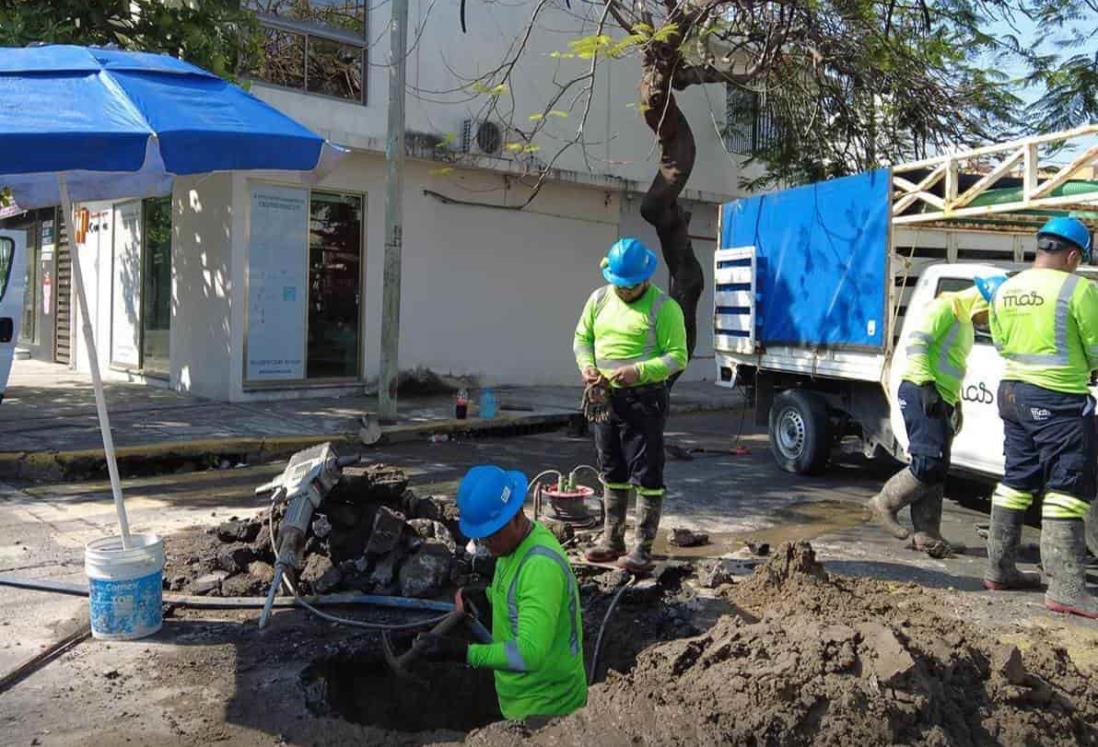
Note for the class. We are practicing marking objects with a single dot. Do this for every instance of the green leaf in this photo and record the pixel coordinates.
(589, 46)
(665, 33)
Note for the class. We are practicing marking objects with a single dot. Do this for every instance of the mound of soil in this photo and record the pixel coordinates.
(810, 658)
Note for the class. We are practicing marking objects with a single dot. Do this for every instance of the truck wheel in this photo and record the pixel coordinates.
(799, 437)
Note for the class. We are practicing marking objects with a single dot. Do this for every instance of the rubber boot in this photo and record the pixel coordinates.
(639, 561)
(903, 488)
(1063, 555)
(611, 545)
(1003, 537)
(926, 516)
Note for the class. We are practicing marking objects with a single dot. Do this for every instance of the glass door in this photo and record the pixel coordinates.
(156, 286)
(335, 277)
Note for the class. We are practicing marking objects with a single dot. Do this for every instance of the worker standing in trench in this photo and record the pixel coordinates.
(930, 401)
(1044, 322)
(537, 626)
(630, 341)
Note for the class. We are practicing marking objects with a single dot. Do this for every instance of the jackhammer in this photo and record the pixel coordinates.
(308, 477)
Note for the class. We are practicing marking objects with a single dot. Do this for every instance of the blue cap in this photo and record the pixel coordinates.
(989, 285)
(629, 262)
(1071, 230)
(488, 498)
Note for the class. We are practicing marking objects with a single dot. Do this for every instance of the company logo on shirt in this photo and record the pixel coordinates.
(903, 403)
(1039, 414)
(1014, 299)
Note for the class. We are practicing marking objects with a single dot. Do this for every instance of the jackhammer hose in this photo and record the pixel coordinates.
(602, 628)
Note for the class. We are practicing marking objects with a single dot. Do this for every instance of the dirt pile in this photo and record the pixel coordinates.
(371, 534)
(810, 658)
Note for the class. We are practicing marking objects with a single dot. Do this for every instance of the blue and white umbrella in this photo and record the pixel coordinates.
(80, 124)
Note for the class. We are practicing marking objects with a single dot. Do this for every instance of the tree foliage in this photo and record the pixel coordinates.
(844, 86)
(214, 34)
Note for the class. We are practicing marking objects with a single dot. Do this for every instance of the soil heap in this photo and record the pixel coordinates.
(811, 658)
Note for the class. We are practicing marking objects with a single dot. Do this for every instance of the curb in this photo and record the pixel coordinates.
(158, 458)
(165, 456)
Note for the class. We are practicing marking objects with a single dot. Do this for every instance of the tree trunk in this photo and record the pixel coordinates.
(660, 205)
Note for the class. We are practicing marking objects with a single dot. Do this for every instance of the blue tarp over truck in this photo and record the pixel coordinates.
(822, 261)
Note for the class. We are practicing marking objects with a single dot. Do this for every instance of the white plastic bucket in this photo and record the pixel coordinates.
(125, 586)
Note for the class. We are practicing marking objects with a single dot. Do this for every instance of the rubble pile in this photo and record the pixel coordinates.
(810, 658)
(371, 534)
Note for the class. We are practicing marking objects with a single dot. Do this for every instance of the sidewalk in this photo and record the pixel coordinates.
(48, 425)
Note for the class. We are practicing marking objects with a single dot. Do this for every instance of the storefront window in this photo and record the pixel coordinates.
(304, 281)
(156, 286)
(335, 271)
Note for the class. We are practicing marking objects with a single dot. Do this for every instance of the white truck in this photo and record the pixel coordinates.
(818, 287)
(13, 278)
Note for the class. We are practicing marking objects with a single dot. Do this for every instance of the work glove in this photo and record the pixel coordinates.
(472, 599)
(433, 647)
(596, 401)
(932, 400)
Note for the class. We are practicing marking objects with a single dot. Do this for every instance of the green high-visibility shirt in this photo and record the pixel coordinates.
(938, 348)
(1045, 324)
(537, 631)
(650, 333)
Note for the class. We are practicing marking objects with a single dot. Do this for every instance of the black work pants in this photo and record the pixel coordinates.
(630, 442)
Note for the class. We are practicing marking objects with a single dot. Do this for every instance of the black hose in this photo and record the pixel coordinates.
(602, 628)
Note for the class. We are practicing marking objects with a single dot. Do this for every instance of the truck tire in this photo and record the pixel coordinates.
(799, 432)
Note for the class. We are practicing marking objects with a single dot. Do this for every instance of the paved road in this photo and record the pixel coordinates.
(43, 528)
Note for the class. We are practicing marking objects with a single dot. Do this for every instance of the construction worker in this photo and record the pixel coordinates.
(537, 628)
(631, 338)
(1044, 322)
(930, 401)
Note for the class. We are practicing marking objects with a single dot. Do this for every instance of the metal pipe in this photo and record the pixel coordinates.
(186, 600)
(93, 364)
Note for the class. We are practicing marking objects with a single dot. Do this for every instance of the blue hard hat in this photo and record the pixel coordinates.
(628, 262)
(1069, 229)
(488, 498)
(989, 285)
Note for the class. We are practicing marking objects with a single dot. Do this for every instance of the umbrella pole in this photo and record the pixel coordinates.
(93, 364)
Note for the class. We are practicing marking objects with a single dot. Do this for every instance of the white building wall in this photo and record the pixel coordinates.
(442, 62)
(203, 300)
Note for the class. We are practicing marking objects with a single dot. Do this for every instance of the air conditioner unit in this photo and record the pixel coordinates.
(482, 137)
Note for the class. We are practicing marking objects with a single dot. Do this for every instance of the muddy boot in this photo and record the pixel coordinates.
(902, 489)
(611, 545)
(1063, 554)
(926, 516)
(639, 561)
(1003, 537)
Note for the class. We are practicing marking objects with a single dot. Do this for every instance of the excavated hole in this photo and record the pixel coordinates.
(364, 690)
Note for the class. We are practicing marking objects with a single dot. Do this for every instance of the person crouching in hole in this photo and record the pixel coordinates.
(537, 627)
